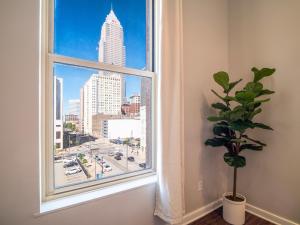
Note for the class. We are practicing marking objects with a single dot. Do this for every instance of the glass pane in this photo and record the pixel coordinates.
(102, 124)
(113, 32)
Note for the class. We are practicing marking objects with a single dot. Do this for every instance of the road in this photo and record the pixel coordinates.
(102, 148)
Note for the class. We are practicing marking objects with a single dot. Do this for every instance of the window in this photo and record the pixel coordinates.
(98, 86)
(58, 134)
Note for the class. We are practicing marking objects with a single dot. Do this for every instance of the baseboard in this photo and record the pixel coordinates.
(198, 213)
(266, 215)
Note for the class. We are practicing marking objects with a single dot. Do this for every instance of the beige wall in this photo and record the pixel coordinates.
(266, 33)
(261, 33)
(205, 51)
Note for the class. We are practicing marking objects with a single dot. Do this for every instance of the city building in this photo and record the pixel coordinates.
(98, 123)
(73, 120)
(146, 116)
(71, 117)
(135, 99)
(58, 112)
(105, 92)
(143, 119)
(81, 114)
(131, 128)
(132, 108)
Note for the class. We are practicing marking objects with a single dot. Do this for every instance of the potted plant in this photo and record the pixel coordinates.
(235, 117)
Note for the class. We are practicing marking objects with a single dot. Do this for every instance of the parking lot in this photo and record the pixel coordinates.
(100, 159)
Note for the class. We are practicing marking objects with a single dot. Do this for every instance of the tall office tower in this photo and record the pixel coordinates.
(58, 112)
(104, 92)
(111, 46)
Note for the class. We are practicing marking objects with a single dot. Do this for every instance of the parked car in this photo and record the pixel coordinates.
(58, 159)
(73, 159)
(117, 157)
(70, 164)
(73, 170)
(107, 168)
(142, 165)
(130, 158)
(119, 154)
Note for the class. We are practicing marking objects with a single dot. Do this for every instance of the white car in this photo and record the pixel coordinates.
(73, 170)
(106, 168)
(69, 160)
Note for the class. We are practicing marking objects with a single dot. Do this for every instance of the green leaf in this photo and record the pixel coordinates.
(257, 103)
(265, 92)
(216, 142)
(236, 140)
(229, 98)
(226, 99)
(251, 147)
(236, 114)
(222, 79)
(260, 74)
(221, 131)
(234, 160)
(244, 97)
(257, 111)
(254, 87)
(219, 96)
(220, 106)
(233, 84)
(255, 141)
(241, 125)
(214, 118)
(262, 126)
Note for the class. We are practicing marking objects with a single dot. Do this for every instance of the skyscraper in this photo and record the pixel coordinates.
(104, 92)
(58, 112)
(111, 46)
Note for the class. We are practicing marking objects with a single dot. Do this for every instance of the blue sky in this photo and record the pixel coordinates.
(77, 33)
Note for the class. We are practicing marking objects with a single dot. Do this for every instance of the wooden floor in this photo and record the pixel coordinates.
(215, 218)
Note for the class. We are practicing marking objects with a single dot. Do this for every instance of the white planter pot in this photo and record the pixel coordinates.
(233, 211)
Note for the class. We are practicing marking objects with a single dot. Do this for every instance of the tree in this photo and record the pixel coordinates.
(70, 126)
(236, 115)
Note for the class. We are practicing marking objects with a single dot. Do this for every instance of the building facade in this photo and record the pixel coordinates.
(104, 92)
(58, 112)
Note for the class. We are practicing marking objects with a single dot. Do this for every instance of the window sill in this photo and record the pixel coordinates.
(71, 201)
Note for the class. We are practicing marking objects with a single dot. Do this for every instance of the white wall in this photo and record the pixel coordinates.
(19, 193)
(261, 33)
(266, 33)
(205, 51)
(130, 128)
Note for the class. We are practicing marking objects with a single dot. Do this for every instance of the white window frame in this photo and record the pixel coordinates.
(47, 59)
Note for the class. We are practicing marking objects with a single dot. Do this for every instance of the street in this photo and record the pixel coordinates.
(93, 153)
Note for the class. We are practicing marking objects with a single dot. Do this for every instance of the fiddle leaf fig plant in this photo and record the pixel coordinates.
(236, 115)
